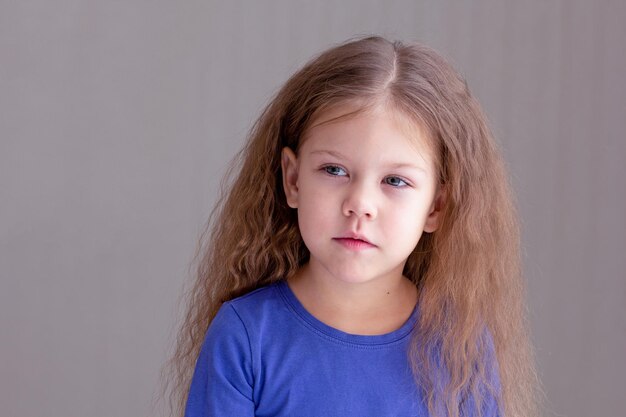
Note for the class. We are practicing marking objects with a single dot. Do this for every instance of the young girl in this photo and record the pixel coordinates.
(364, 261)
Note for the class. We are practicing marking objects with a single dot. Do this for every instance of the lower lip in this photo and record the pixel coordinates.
(354, 243)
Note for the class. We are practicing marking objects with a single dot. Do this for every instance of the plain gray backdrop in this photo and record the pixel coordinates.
(118, 118)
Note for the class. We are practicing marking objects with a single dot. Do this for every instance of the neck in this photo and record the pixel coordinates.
(374, 307)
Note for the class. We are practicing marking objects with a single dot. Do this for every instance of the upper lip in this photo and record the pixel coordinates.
(352, 235)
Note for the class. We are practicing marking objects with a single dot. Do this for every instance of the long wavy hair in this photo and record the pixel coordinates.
(471, 291)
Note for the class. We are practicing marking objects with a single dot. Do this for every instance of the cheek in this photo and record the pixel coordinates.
(405, 221)
(315, 212)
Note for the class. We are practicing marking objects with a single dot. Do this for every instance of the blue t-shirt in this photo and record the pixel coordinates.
(265, 355)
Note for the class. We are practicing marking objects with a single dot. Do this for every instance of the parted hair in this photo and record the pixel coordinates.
(468, 272)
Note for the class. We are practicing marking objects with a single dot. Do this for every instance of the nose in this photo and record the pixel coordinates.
(360, 201)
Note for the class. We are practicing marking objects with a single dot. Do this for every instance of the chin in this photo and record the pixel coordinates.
(354, 277)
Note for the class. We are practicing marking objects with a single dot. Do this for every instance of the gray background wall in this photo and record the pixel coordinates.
(117, 119)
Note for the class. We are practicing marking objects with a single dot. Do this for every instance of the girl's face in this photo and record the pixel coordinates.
(365, 189)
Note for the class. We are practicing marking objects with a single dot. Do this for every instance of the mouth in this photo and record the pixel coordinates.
(357, 243)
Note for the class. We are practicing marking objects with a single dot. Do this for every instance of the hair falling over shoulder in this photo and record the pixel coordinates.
(472, 295)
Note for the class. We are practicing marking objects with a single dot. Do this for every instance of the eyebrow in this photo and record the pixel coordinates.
(396, 165)
(331, 153)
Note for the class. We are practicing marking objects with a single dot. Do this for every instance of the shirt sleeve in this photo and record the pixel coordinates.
(491, 395)
(489, 390)
(222, 384)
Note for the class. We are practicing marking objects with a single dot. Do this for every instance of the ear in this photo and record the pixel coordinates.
(289, 165)
(434, 216)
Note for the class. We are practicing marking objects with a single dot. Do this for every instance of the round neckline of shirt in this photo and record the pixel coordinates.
(369, 340)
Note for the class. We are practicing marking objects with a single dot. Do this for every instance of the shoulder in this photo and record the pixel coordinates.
(225, 365)
(229, 342)
(263, 294)
(231, 345)
(257, 303)
(253, 311)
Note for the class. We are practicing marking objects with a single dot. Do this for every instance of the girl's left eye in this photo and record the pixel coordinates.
(395, 181)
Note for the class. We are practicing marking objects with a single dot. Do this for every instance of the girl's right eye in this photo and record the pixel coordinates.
(334, 170)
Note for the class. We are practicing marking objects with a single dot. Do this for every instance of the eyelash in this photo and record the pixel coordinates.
(327, 167)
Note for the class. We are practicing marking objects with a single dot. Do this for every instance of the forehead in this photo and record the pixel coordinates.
(331, 126)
